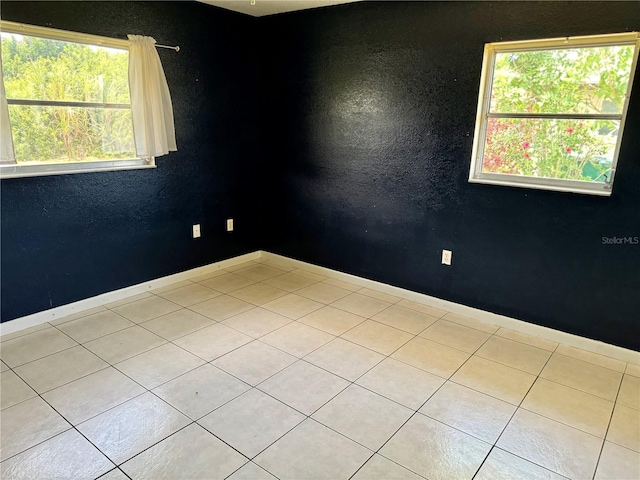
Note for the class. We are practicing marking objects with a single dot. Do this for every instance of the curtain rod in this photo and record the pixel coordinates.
(176, 48)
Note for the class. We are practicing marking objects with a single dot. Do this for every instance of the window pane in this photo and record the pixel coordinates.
(63, 134)
(562, 149)
(42, 69)
(571, 80)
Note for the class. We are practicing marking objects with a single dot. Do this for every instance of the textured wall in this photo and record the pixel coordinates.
(69, 237)
(367, 117)
(369, 111)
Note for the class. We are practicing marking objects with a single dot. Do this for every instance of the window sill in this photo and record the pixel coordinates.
(21, 171)
(583, 188)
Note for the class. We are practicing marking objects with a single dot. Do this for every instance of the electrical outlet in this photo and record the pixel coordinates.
(230, 225)
(196, 231)
(446, 257)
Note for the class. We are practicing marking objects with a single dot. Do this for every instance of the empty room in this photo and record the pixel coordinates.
(320, 240)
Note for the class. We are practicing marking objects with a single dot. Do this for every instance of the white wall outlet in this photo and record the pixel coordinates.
(230, 225)
(446, 257)
(196, 231)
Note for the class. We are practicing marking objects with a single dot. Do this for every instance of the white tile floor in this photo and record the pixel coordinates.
(264, 371)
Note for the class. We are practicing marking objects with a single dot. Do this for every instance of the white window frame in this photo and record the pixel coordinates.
(31, 170)
(484, 99)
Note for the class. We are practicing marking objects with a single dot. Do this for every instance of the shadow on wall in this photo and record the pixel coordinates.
(368, 115)
(69, 237)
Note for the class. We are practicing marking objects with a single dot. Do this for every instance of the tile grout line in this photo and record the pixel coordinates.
(228, 293)
(73, 427)
(195, 421)
(51, 389)
(495, 333)
(260, 306)
(299, 358)
(112, 365)
(511, 366)
(307, 416)
(119, 304)
(251, 459)
(524, 343)
(119, 465)
(253, 463)
(212, 322)
(43, 326)
(484, 460)
(606, 433)
(396, 302)
(331, 373)
(108, 365)
(31, 361)
(287, 260)
(404, 423)
(495, 444)
(344, 378)
(185, 373)
(614, 402)
(116, 469)
(136, 322)
(122, 403)
(587, 363)
(87, 317)
(389, 460)
(44, 356)
(318, 281)
(303, 358)
(78, 344)
(417, 411)
(423, 403)
(263, 281)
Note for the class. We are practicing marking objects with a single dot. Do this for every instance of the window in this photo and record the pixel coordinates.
(68, 101)
(551, 112)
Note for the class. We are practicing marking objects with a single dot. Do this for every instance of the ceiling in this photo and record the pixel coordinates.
(270, 7)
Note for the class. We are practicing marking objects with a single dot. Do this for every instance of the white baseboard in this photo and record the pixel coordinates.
(568, 339)
(564, 338)
(75, 307)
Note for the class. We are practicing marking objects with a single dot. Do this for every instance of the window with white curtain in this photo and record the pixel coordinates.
(68, 101)
(551, 112)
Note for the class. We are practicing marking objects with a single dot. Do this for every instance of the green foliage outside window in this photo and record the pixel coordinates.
(587, 81)
(50, 70)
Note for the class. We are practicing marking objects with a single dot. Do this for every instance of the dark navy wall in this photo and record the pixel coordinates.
(368, 120)
(69, 237)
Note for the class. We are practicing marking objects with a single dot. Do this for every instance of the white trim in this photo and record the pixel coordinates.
(568, 42)
(529, 182)
(22, 171)
(63, 35)
(484, 99)
(595, 346)
(37, 318)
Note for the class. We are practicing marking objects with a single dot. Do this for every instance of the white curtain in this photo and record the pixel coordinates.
(7, 155)
(151, 108)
